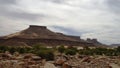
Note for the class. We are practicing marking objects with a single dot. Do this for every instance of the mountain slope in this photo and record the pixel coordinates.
(36, 32)
(40, 34)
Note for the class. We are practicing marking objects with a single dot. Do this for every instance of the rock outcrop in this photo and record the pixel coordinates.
(95, 41)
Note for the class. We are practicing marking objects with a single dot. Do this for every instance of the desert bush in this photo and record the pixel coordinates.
(46, 54)
(43, 52)
(70, 52)
(61, 49)
(4, 48)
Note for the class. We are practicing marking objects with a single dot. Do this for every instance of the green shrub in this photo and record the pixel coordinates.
(4, 48)
(12, 50)
(46, 54)
(70, 52)
(61, 49)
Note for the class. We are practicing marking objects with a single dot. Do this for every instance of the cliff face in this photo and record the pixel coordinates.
(40, 34)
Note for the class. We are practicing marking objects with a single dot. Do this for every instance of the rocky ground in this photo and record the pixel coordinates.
(17, 60)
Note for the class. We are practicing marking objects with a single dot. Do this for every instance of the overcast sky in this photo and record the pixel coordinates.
(86, 18)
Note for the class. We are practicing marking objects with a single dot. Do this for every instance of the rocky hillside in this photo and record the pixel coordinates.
(41, 34)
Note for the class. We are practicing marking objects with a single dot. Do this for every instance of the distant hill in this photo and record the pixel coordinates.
(40, 34)
(115, 45)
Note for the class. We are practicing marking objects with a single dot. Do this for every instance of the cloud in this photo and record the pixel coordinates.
(65, 30)
(7, 2)
(87, 18)
(114, 6)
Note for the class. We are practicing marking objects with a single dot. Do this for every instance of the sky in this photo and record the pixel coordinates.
(85, 18)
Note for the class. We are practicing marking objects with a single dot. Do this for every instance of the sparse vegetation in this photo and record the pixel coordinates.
(48, 53)
(41, 52)
(100, 51)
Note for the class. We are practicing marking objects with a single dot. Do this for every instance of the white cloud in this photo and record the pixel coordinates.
(88, 18)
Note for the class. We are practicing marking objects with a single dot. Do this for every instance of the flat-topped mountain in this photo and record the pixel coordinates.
(41, 34)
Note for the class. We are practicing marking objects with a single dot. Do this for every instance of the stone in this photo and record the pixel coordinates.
(49, 65)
